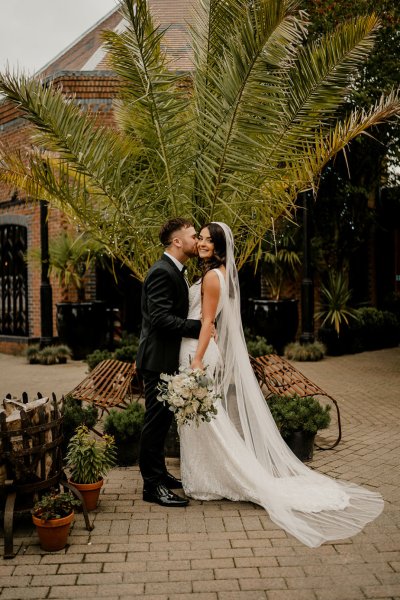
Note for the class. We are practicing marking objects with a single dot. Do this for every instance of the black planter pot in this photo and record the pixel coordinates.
(276, 320)
(83, 326)
(301, 444)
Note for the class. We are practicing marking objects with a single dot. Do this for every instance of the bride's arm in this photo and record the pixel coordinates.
(209, 305)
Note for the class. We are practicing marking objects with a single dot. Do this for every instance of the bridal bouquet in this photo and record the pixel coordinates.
(190, 395)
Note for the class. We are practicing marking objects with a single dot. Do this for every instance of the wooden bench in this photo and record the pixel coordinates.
(108, 385)
(277, 376)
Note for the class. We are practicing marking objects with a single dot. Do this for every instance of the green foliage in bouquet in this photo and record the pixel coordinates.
(89, 459)
(55, 506)
(293, 413)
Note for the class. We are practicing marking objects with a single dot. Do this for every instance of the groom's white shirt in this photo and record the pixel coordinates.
(175, 260)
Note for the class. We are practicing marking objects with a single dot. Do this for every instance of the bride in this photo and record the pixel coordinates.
(240, 454)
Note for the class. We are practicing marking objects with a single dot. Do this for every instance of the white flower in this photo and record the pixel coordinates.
(190, 395)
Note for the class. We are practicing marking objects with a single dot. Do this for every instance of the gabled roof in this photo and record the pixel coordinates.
(87, 53)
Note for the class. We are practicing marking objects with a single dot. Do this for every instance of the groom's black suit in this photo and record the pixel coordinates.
(165, 305)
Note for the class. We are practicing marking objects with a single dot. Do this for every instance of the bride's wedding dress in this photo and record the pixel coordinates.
(240, 455)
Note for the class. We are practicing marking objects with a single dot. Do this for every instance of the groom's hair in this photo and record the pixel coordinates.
(170, 227)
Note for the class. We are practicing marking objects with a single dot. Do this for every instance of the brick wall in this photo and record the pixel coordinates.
(94, 92)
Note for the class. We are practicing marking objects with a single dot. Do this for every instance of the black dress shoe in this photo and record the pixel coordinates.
(162, 495)
(172, 482)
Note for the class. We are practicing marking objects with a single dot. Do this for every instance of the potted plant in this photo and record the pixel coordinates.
(81, 325)
(275, 316)
(89, 459)
(32, 354)
(298, 420)
(63, 353)
(305, 352)
(74, 414)
(335, 313)
(52, 516)
(125, 426)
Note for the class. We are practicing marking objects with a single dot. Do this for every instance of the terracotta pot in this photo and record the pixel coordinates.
(90, 492)
(53, 534)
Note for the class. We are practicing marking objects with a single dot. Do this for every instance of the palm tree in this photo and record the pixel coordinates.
(235, 139)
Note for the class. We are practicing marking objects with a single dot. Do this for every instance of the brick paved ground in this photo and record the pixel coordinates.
(232, 551)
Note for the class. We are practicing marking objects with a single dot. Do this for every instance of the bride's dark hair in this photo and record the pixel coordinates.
(219, 257)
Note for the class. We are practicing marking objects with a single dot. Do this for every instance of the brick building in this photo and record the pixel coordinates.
(81, 69)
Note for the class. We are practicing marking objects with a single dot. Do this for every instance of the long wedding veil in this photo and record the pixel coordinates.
(311, 506)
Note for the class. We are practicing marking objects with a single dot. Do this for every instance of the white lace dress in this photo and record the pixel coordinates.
(217, 463)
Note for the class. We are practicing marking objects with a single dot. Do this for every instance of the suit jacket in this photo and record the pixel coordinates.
(165, 305)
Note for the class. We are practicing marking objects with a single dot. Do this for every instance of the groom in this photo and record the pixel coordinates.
(165, 305)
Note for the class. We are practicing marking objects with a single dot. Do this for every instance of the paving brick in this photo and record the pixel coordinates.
(51, 559)
(105, 557)
(213, 563)
(194, 596)
(264, 583)
(145, 576)
(381, 591)
(43, 580)
(216, 585)
(231, 552)
(236, 573)
(84, 548)
(255, 561)
(347, 592)
(247, 595)
(170, 587)
(21, 581)
(169, 565)
(190, 575)
(17, 593)
(72, 591)
(121, 590)
(189, 554)
(79, 568)
(291, 595)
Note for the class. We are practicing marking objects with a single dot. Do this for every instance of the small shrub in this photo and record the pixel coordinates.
(32, 354)
(127, 350)
(129, 339)
(63, 353)
(293, 413)
(126, 353)
(75, 415)
(257, 345)
(125, 424)
(305, 352)
(96, 357)
(375, 329)
(48, 355)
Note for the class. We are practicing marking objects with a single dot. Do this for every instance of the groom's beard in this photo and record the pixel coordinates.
(192, 253)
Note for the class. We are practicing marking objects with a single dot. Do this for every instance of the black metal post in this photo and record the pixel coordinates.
(307, 283)
(46, 294)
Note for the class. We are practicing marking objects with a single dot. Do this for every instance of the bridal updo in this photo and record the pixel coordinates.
(218, 239)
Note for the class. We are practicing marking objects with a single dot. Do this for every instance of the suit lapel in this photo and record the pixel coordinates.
(178, 275)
